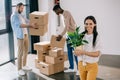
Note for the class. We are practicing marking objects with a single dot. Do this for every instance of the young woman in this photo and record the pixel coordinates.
(89, 56)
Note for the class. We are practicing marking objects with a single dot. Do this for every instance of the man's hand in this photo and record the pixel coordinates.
(34, 25)
(58, 38)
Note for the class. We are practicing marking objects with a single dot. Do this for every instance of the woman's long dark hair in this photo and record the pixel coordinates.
(95, 33)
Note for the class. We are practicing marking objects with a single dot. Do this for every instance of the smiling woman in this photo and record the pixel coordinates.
(88, 57)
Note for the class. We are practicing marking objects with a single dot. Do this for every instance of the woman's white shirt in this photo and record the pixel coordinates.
(89, 48)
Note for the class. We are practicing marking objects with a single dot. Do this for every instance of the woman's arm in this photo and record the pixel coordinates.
(91, 54)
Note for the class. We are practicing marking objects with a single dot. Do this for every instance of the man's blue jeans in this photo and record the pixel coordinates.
(70, 57)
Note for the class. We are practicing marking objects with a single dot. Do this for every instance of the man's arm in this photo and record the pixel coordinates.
(59, 37)
(27, 25)
(72, 22)
(64, 31)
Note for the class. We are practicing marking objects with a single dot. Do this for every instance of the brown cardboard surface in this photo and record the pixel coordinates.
(41, 55)
(58, 67)
(41, 21)
(46, 68)
(54, 60)
(65, 57)
(56, 52)
(40, 31)
(49, 69)
(37, 63)
(42, 46)
(41, 18)
(59, 44)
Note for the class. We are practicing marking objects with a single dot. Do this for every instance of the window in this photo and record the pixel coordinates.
(4, 48)
(4, 43)
(2, 15)
(14, 2)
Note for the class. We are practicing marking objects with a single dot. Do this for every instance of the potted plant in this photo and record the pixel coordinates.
(75, 39)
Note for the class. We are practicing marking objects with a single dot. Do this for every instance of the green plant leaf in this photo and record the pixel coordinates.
(70, 34)
(77, 29)
(85, 41)
(76, 38)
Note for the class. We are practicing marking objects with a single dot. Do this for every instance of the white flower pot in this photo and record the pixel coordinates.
(79, 47)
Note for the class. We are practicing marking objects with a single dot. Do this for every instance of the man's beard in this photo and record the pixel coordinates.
(19, 11)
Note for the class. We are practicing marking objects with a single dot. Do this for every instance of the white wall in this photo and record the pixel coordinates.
(47, 5)
(107, 14)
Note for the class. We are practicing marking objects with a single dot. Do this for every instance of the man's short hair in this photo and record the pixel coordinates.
(20, 4)
(56, 7)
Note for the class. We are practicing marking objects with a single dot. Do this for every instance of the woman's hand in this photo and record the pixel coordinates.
(78, 52)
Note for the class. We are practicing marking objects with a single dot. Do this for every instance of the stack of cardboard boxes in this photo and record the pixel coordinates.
(41, 21)
(42, 49)
(50, 56)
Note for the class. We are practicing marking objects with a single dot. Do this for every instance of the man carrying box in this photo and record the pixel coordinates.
(19, 25)
(70, 26)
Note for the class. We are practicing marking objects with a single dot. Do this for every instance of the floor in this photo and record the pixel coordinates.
(106, 72)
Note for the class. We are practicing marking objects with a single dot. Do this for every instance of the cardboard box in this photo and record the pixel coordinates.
(37, 65)
(40, 31)
(40, 18)
(46, 68)
(49, 69)
(56, 52)
(41, 55)
(59, 67)
(59, 44)
(54, 60)
(65, 57)
(41, 58)
(42, 46)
